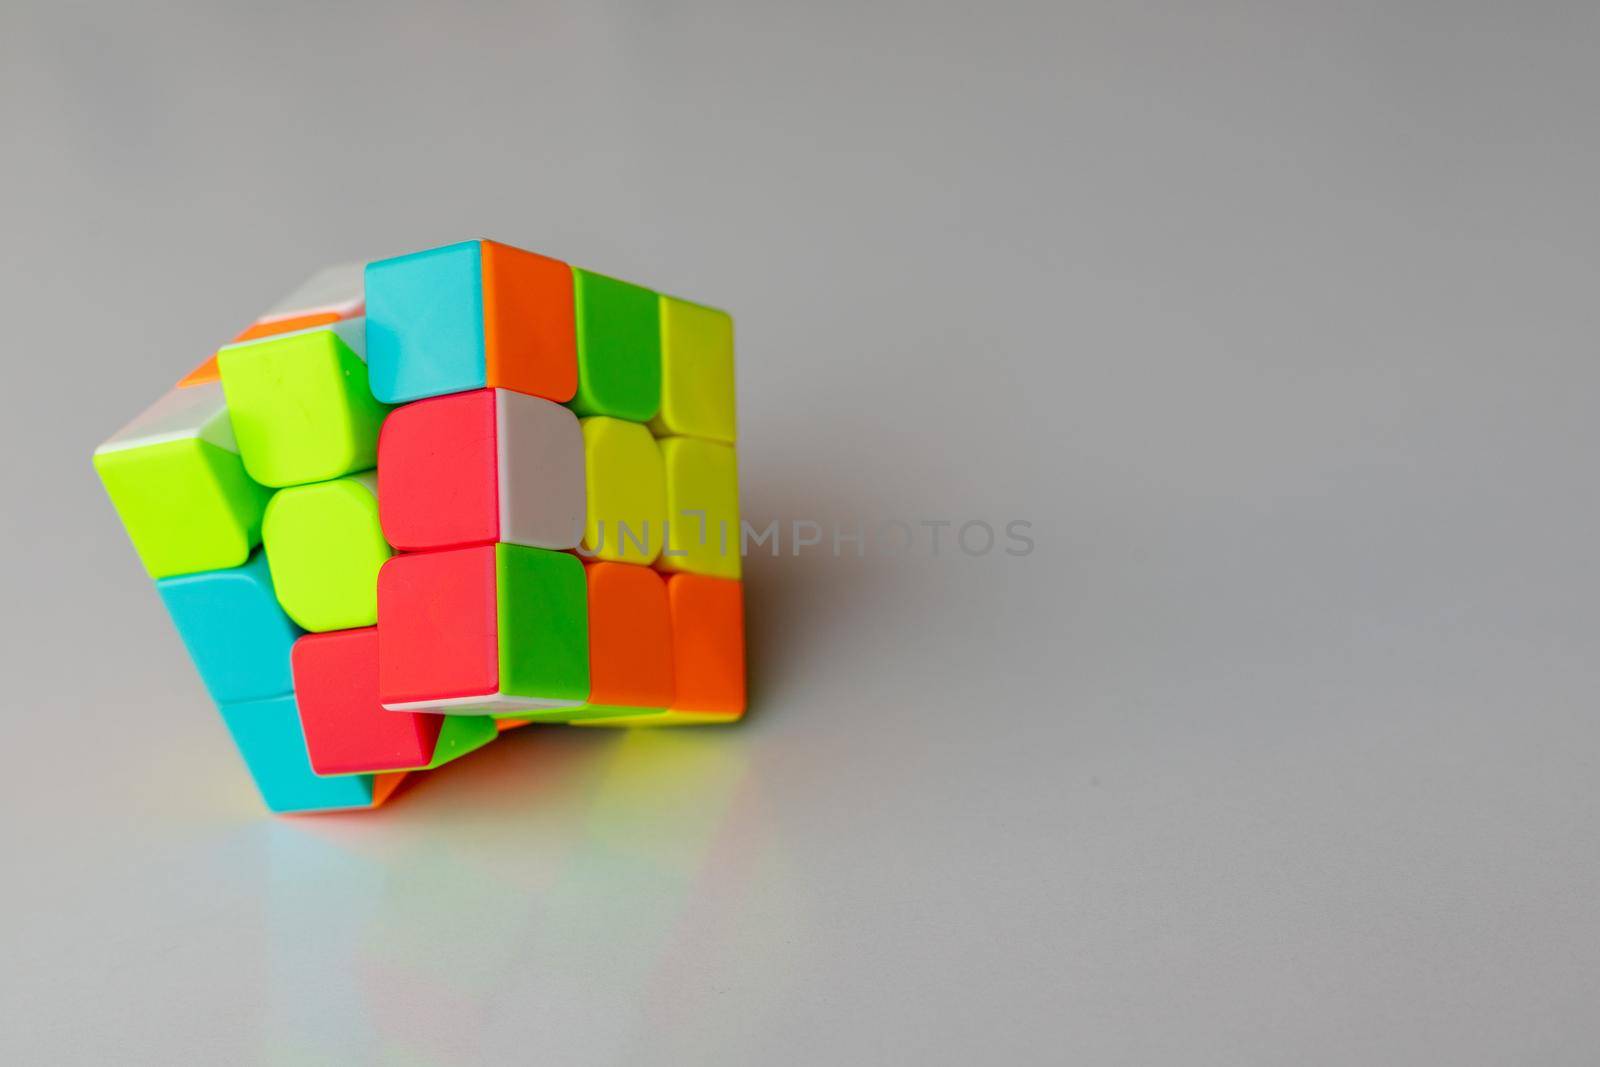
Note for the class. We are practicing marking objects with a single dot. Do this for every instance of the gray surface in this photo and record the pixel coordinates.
(1277, 321)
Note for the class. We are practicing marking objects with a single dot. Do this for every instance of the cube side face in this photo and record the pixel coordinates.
(425, 324)
(438, 628)
(707, 645)
(702, 480)
(529, 326)
(697, 391)
(630, 637)
(619, 348)
(301, 407)
(268, 736)
(543, 499)
(438, 480)
(325, 546)
(542, 603)
(237, 635)
(188, 506)
(625, 483)
(346, 730)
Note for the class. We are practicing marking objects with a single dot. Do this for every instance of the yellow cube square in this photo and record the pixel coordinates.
(702, 507)
(626, 489)
(696, 372)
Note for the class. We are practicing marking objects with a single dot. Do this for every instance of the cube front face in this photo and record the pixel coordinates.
(325, 546)
(697, 394)
(234, 629)
(626, 489)
(619, 348)
(301, 406)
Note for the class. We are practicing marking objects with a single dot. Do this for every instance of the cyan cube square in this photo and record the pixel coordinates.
(411, 355)
(234, 629)
(268, 736)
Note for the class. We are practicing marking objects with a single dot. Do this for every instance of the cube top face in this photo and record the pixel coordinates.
(697, 393)
(325, 547)
(479, 467)
(234, 629)
(626, 489)
(483, 630)
(300, 404)
(469, 316)
(702, 488)
(346, 730)
(269, 737)
(630, 636)
(619, 348)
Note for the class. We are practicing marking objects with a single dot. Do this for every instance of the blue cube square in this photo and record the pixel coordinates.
(268, 735)
(237, 635)
(425, 323)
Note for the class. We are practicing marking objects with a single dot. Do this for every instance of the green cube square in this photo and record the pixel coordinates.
(301, 406)
(324, 547)
(542, 601)
(619, 348)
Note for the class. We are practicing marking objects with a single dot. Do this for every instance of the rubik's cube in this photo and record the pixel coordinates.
(425, 499)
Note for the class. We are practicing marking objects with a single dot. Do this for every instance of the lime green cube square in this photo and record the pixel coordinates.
(175, 478)
(188, 505)
(324, 548)
(301, 406)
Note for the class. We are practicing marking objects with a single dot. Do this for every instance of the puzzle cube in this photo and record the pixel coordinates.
(479, 467)
(300, 403)
(491, 629)
(469, 316)
(325, 545)
(550, 534)
(347, 731)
